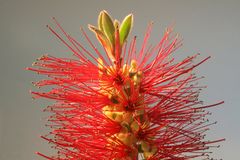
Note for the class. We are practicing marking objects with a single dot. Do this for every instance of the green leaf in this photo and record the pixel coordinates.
(103, 40)
(108, 27)
(100, 26)
(98, 33)
(125, 28)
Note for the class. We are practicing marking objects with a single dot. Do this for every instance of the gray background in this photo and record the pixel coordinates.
(210, 27)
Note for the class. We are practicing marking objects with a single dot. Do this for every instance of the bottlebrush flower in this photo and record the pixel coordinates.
(122, 103)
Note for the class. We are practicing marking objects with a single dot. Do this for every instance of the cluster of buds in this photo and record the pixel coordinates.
(126, 104)
(111, 34)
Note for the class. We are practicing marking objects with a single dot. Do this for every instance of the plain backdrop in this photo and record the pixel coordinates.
(210, 27)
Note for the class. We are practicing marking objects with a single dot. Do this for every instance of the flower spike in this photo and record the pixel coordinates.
(123, 106)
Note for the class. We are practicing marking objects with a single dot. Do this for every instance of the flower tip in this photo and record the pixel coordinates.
(105, 15)
(220, 102)
(90, 27)
(103, 12)
(130, 16)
